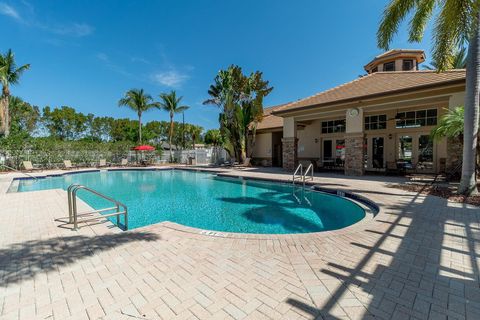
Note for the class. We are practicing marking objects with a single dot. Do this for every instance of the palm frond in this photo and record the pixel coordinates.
(451, 27)
(393, 15)
(420, 18)
(451, 124)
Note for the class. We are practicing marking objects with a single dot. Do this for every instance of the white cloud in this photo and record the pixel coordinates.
(74, 29)
(102, 56)
(171, 78)
(27, 17)
(7, 10)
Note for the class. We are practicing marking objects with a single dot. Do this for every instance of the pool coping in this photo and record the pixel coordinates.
(370, 207)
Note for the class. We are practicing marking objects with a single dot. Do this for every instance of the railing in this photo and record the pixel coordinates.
(309, 169)
(295, 174)
(13, 169)
(73, 214)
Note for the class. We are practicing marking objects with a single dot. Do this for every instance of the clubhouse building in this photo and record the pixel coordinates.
(378, 122)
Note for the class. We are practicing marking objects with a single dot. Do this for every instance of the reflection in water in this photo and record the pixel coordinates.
(205, 201)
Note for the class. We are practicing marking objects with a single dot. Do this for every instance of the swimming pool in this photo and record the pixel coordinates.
(207, 201)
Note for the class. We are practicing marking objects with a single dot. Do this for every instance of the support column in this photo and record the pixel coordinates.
(289, 144)
(354, 155)
(354, 142)
(289, 150)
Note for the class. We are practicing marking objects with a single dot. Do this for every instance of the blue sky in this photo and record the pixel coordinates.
(86, 54)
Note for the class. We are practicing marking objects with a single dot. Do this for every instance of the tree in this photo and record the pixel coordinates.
(213, 137)
(23, 116)
(124, 130)
(451, 126)
(138, 101)
(171, 103)
(241, 100)
(455, 22)
(64, 123)
(195, 133)
(9, 75)
(459, 60)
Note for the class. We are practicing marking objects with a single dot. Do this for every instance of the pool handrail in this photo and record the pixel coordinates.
(295, 175)
(13, 169)
(73, 213)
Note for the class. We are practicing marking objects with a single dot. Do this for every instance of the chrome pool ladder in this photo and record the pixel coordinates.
(74, 215)
(303, 176)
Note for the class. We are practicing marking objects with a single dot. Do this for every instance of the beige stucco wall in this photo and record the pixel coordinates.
(289, 127)
(354, 124)
(263, 145)
(307, 147)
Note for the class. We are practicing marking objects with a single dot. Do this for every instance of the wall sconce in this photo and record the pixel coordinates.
(316, 140)
(390, 136)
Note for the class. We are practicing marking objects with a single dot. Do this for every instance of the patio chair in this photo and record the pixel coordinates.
(27, 165)
(102, 163)
(246, 163)
(124, 162)
(392, 168)
(68, 165)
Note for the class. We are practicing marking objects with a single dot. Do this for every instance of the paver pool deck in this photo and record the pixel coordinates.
(418, 258)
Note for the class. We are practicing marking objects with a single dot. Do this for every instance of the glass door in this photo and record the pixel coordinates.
(327, 159)
(425, 162)
(378, 155)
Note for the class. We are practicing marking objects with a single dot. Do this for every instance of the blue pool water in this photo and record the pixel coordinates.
(203, 200)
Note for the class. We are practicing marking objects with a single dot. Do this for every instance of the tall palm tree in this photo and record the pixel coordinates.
(9, 75)
(171, 103)
(139, 101)
(459, 60)
(455, 22)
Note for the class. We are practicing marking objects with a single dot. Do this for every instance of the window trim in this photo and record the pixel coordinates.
(389, 63)
(332, 124)
(411, 64)
(428, 119)
(367, 124)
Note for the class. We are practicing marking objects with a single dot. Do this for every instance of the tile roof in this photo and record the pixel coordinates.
(376, 84)
(270, 121)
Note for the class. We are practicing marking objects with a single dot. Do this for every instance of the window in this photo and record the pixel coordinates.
(419, 118)
(389, 66)
(376, 122)
(407, 65)
(333, 126)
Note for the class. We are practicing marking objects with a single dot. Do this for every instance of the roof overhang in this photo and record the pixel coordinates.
(426, 90)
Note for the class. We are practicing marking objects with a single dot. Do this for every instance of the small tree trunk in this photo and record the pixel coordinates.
(170, 138)
(3, 107)
(140, 128)
(468, 184)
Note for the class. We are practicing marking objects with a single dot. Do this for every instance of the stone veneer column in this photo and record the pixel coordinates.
(454, 153)
(354, 155)
(289, 150)
(354, 141)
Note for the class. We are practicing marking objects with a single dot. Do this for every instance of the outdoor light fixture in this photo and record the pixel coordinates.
(316, 140)
(390, 136)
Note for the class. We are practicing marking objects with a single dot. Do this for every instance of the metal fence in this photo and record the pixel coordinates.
(91, 158)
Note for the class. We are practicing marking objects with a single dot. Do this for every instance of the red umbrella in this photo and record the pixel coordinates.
(144, 147)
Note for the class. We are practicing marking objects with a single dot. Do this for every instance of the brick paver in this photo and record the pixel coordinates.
(418, 258)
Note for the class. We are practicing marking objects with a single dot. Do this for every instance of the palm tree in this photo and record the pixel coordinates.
(171, 103)
(459, 60)
(195, 132)
(9, 75)
(139, 101)
(455, 22)
(451, 126)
